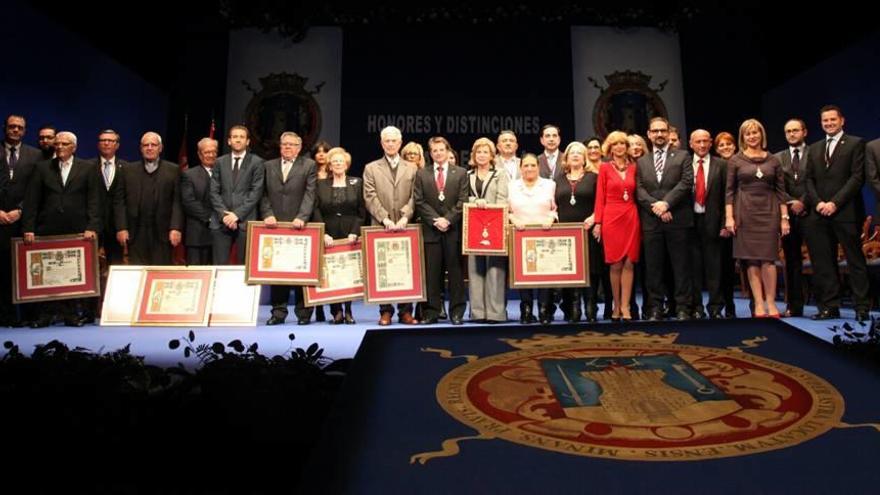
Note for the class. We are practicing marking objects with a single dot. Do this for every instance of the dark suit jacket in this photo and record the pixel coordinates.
(105, 196)
(715, 194)
(195, 199)
(12, 189)
(841, 182)
(53, 208)
(675, 188)
(340, 220)
(294, 198)
(872, 167)
(795, 188)
(544, 166)
(241, 197)
(127, 198)
(429, 207)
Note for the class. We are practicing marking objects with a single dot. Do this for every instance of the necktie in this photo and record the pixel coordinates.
(235, 167)
(795, 161)
(701, 184)
(441, 183)
(828, 151)
(658, 164)
(108, 167)
(12, 159)
(285, 169)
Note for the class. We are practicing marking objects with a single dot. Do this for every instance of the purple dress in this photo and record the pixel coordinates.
(755, 189)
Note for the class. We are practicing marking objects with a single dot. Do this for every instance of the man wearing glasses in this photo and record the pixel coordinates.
(46, 141)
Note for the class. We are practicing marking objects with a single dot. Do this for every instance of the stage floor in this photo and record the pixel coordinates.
(338, 341)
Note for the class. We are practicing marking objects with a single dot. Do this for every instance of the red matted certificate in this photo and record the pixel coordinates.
(555, 257)
(283, 255)
(484, 230)
(54, 268)
(394, 265)
(342, 275)
(175, 296)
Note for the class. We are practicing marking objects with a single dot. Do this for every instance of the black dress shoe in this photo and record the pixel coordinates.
(826, 314)
(442, 315)
(303, 320)
(274, 320)
(73, 321)
(319, 313)
(429, 321)
(699, 315)
(683, 316)
(655, 316)
(41, 322)
(457, 320)
(793, 312)
(716, 314)
(863, 315)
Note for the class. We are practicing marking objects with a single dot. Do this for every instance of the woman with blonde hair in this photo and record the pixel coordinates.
(637, 146)
(487, 275)
(756, 214)
(414, 153)
(617, 220)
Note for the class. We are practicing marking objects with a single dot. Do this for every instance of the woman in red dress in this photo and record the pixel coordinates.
(617, 220)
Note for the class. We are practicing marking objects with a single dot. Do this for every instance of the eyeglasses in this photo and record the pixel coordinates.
(659, 131)
(14, 126)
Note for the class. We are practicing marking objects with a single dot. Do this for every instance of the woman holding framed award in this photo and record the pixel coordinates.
(340, 206)
(487, 274)
(575, 200)
(617, 220)
(319, 154)
(532, 201)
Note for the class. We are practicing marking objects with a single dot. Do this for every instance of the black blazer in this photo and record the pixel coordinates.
(428, 205)
(841, 182)
(242, 196)
(872, 167)
(716, 189)
(795, 187)
(675, 188)
(340, 220)
(53, 208)
(195, 199)
(13, 189)
(105, 196)
(294, 198)
(127, 198)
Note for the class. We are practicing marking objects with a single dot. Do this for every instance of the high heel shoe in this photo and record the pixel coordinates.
(349, 319)
(337, 319)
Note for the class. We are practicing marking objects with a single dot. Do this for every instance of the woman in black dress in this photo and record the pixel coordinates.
(575, 200)
(340, 206)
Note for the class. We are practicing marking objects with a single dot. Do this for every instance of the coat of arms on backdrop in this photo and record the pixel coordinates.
(282, 104)
(627, 103)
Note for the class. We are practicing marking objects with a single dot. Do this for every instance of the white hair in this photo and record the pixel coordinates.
(151, 133)
(206, 141)
(69, 135)
(391, 132)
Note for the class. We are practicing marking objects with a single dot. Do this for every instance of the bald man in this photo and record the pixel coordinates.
(149, 217)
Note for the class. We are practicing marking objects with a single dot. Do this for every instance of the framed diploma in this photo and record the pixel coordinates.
(175, 296)
(484, 230)
(123, 289)
(53, 268)
(394, 265)
(234, 303)
(549, 258)
(283, 255)
(342, 275)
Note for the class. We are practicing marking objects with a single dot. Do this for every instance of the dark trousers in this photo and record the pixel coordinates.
(444, 256)
(199, 255)
(222, 239)
(657, 245)
(705, 249)
(794, 264)
(149, 247)
(823, 236)
(279, 296)
(545, 297)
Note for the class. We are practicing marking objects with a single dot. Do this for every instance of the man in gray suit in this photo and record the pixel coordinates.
(794, 161)
(236, 189)
(195, 199)
(549, 165)
(507, 160)
(289, 196)
(388, 194)
(17, 163)
(666, 210)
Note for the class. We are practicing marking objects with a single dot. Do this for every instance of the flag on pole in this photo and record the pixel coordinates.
(213, 128)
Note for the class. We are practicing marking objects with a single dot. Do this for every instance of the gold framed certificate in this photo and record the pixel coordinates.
(282, 255)
(342, 275)
(394, 265)
(175, 296)
(554, 257)
(53, 268)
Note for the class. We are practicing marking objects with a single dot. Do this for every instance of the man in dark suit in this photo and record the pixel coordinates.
(108, 167)
(665, 181)
(195, 199)
(62, 198)
(236, 190)
(46, 141)
(549, 166)
(289, 196)
(147, 205)
(710, 178)
(872, 169)
(834, 176)
(794, 161)
(439, 192)
(17, 162)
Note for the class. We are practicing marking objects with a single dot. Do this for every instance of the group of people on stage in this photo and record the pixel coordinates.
(673, 219)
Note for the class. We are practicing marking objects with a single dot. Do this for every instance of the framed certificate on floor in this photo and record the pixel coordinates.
(53, 268)
(555, 257)
(123, 288)
(234, 302)
(175, 296)
(484, 230)
(282, 255)
(342, 275)
(394, 265)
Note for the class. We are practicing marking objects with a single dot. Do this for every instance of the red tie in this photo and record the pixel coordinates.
(701, 184)
(440, 182)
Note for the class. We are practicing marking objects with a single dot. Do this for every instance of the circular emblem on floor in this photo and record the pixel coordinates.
(639, 399)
